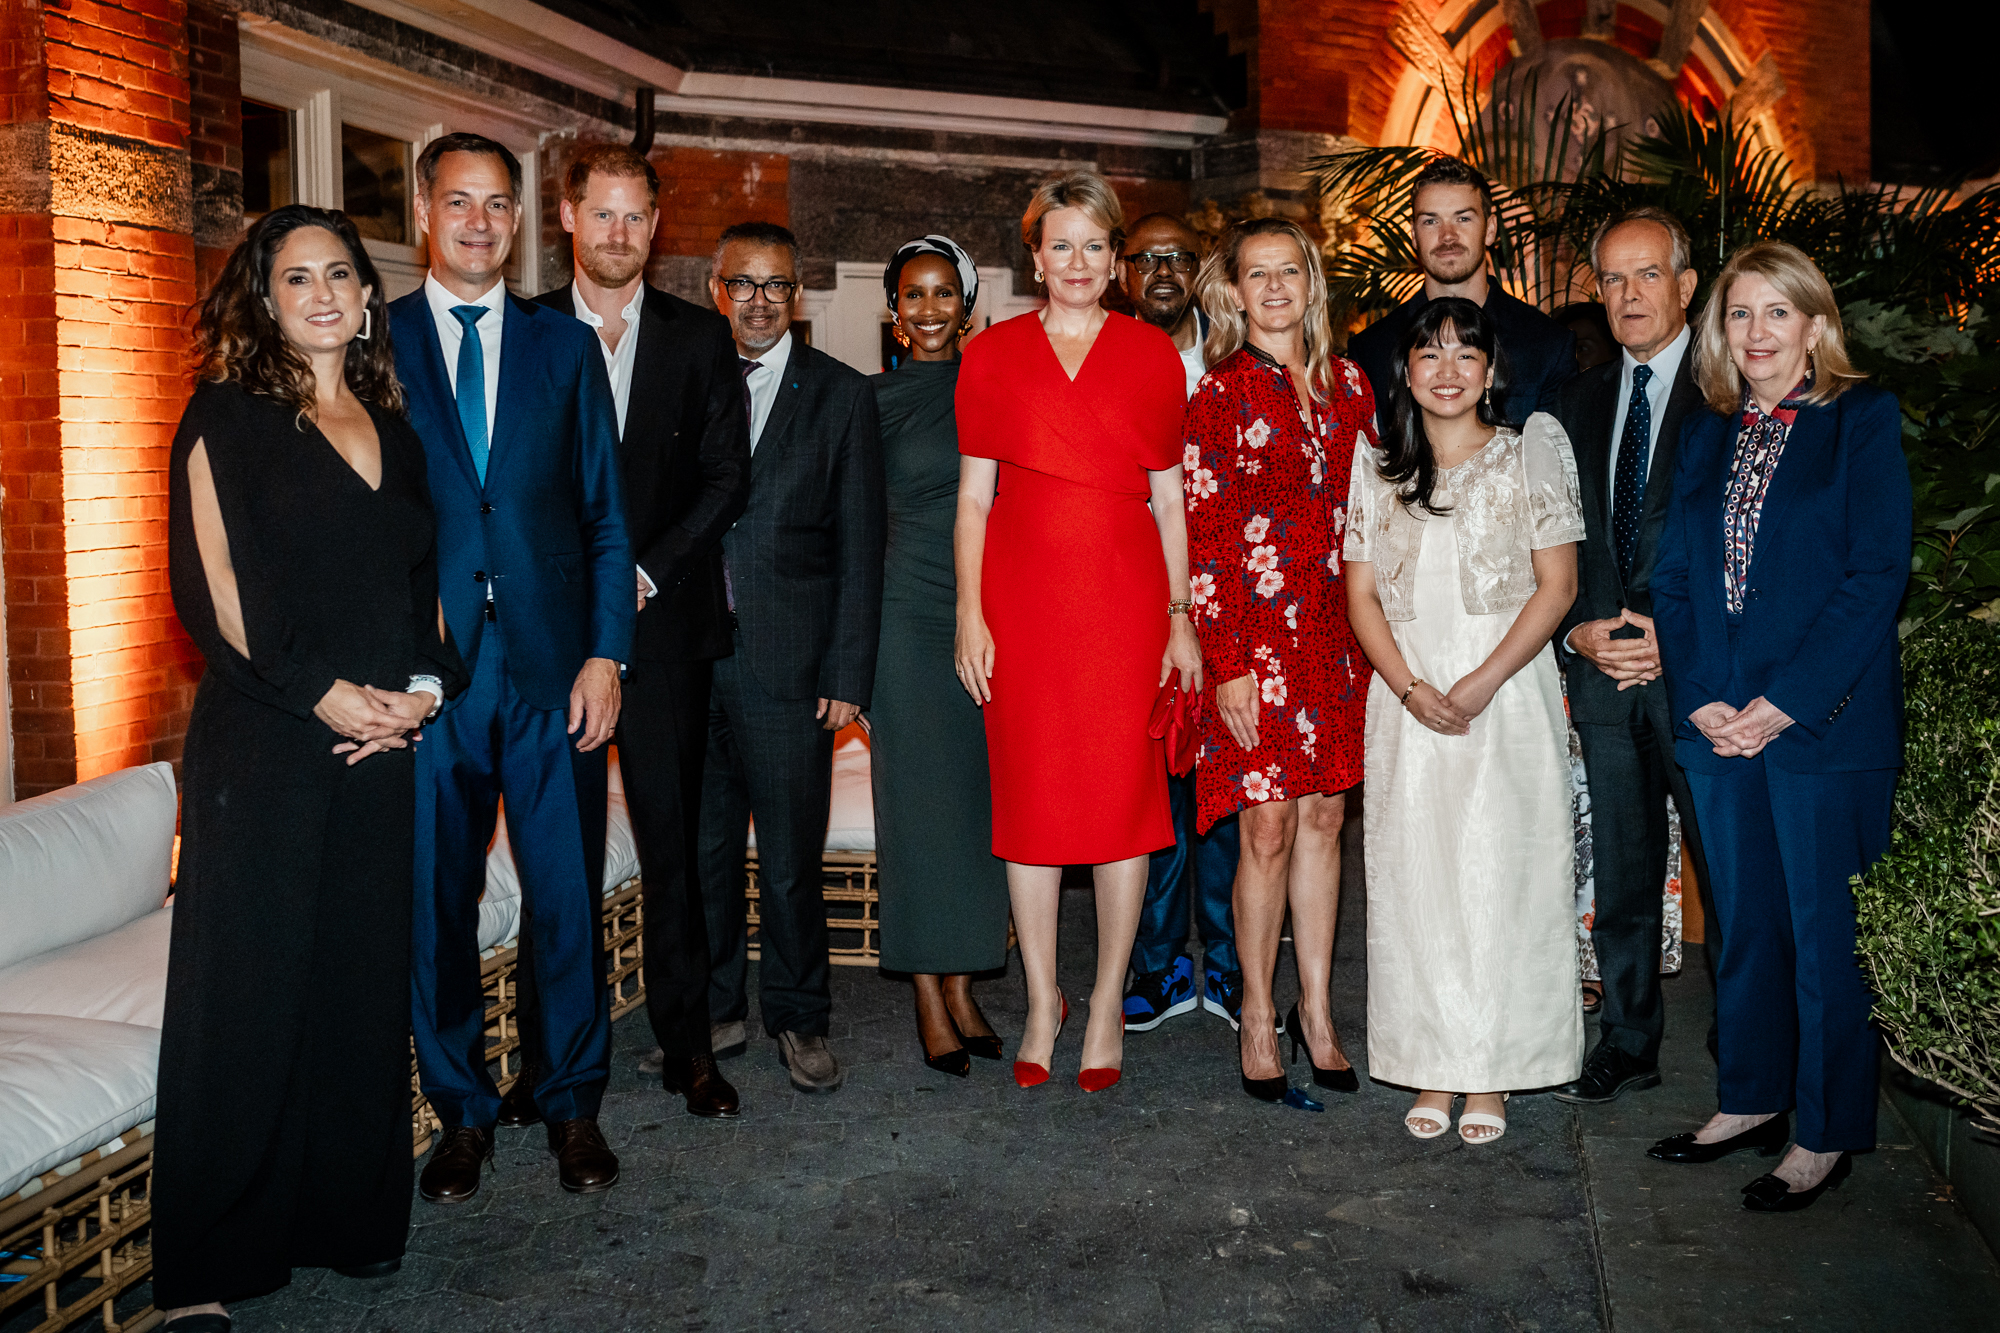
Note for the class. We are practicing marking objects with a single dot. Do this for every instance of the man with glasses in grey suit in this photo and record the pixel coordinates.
(803, 567)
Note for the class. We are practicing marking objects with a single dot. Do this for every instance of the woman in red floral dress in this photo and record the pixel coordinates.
(1268, 444)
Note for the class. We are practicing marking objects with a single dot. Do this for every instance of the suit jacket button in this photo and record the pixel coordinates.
(485, 508)
(479, 576)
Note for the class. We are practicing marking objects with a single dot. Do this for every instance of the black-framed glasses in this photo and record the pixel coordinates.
(1181, 261)
(778, 291)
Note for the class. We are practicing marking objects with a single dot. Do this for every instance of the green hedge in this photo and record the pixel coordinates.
(1929, 911)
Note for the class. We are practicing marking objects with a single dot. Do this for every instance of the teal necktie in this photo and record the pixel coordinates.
(472, 385)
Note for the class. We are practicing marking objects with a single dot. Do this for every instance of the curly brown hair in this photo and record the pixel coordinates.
(237, 337)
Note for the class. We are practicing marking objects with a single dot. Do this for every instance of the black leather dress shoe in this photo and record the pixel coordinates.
(518, 1107)
(696, 1078)
(452, 1174)
(1769, 1139)
(1607, 1074)
(381, 1268)
(584, 1161)
(1770, 1194)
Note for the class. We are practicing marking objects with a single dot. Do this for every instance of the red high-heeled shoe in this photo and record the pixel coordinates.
(1097, 1080)
(1026, 1072)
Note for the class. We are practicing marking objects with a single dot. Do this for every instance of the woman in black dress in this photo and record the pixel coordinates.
(944, 893)
(303, 567)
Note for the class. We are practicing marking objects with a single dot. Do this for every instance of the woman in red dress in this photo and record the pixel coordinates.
(1270, 439)
(1071, 552)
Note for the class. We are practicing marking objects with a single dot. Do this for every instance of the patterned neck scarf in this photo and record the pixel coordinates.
(1758, 447)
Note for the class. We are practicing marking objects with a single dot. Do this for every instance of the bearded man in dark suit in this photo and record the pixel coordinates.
(1624, 420)
(684, 457)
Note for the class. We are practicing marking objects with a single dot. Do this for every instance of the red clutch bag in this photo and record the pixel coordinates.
(1176, 718)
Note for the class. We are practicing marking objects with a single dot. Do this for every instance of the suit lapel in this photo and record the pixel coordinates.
(519, 346)
(1811, 434)
(1594, 465)
(1685, 398)
(433, 385)
(797, 370)
(654, 316)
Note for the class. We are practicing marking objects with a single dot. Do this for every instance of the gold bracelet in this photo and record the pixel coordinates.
(1179, 608)
(1414, 682)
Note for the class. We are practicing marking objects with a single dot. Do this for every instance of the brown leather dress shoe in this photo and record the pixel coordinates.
(518, 1108)
(696, 1078)
(452, 1174)
(584, 1161)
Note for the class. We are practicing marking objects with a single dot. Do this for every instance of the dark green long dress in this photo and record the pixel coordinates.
(944, 893)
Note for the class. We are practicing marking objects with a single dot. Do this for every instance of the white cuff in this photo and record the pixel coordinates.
(652, 588)
(430, 687)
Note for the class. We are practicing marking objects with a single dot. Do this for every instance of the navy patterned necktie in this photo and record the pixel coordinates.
(472, 385)
(1628, 493)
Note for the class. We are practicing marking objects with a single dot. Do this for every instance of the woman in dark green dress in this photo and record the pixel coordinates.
(944, 895)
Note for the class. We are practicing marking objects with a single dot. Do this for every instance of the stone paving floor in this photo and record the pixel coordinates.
(910, 1200)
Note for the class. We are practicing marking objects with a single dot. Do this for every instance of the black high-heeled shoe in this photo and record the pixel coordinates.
(1267, 1089)
(986, 1047)
(1340, 1080)
(1768, 1138)
(1770, 1193)
(956, 1063)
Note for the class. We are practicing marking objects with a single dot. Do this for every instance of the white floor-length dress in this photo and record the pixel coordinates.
(1472, 958)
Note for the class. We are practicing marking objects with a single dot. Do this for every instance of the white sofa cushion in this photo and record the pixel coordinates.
(120, 977)
(850, 816)
(68, 1085)
(500, 908)
(85, 860)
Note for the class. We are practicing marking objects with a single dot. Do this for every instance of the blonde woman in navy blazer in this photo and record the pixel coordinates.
(1784, 561)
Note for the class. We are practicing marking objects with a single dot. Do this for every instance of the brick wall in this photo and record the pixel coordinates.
(215, 136)
(93, 382)
(702, 192)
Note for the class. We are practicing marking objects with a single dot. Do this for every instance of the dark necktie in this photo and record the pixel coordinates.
(749, 416)
(1628, 492)
(472, 385)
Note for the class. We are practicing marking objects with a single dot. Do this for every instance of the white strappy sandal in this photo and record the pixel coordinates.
(1481, 1120)
(1439, 1116)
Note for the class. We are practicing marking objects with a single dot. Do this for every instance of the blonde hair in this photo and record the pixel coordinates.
(1074, 189)
(1799, 281)
(1227, 325)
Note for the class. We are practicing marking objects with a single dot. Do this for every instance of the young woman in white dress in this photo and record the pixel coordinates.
(1461, 560)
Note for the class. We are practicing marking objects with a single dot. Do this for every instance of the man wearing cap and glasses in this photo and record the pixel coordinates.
(803, 569)
(1161, 257)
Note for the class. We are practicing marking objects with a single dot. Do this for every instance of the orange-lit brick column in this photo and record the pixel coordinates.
(102, 90)
(703, 192)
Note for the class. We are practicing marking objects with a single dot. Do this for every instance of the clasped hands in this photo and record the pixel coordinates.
(372, 719)
(1628, 661)
(1450, 712)
(1740, 733)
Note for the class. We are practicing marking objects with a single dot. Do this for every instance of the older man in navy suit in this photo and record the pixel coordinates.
(516, 414)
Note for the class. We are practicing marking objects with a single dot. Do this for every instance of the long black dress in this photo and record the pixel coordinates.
(284, 1094)
(944, 893)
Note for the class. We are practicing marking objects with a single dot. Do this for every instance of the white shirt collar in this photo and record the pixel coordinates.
(630, 314)
(1666, 362)
(780, 353)
(442, 299)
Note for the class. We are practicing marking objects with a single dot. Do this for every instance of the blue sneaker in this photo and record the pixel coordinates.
(1222, 995)
(1154, 997)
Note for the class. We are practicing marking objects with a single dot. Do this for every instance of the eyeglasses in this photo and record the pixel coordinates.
(778, 291)
(1181, 261)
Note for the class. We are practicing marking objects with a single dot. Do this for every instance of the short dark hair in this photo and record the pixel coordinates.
(1162, 215)
(756, 233)
(434, 151)
(609, 159)
(1446, 170)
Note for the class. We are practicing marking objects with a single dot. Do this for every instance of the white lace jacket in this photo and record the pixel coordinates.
(1516, 496)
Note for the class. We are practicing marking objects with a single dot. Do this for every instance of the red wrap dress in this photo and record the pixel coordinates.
(1267, 509)
(1074, 585)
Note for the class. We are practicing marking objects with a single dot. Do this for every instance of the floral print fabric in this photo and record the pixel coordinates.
(1267, 508)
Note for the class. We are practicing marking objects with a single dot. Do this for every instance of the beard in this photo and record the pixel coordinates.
(609, 266)
(1455, 267)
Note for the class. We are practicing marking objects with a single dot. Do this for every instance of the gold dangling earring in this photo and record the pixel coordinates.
(1038, 275)
(899, 335)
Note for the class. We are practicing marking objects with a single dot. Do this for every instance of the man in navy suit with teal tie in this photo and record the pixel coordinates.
(536, 576)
